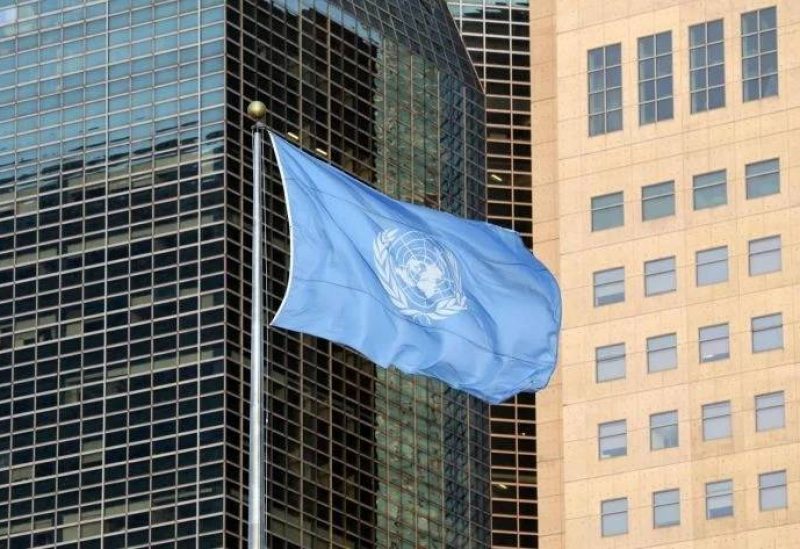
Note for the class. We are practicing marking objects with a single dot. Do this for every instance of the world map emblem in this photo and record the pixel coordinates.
(419, 274)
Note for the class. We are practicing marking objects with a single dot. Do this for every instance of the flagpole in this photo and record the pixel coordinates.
(256, 524)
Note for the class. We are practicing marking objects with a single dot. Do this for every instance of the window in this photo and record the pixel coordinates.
(659, 276)
(765, 255)
(655, 77)
(712, 266)
(613, 439)
(666, 508)
(767, 332)
(759, 54)
(658, 200)
(763, 178)
(609, 286)
(710, 190)
(717, 420)
(664, 430)
(662, 353)
(610, 362)
(719, 499)
(770, 411)
(714, 343)
(772, 491)
(605, 89)
(707, 66)
(607, 211)
(614, 516)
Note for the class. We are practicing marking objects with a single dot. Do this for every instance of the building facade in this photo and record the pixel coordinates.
(674, 420)
(125, 260)
(497, 35)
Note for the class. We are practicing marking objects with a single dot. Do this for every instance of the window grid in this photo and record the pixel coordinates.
(767, 332)
(714, 342)
(770, 408)
(707, 66)
(712, 266)
(655, 78)
(664, 430)
(717, 420)
(658, 200)
(605, 89)
(759, 54)
(763, 178)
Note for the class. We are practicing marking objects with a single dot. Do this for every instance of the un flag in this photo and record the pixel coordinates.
(430, 293)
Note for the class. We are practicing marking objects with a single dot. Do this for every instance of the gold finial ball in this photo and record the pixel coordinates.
(257, 110)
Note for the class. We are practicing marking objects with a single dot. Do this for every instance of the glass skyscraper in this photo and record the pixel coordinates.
(125, 260)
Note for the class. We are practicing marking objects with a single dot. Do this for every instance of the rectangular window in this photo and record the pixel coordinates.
(717, 420)
(719, 499)
(763, 178)
(710, 190)
(707, 66)
(662, 353)
(666, 508)
(764, 255)
(772, 491)
(609, 286)
(613, 439)
(605, 89)
(614, 516)
(610, 362)
(767, 332)
(712, 266)
(770, 411)
(714, 343)
(655, 77)
(664, 430)
(659, 276)
(658, 200)
(759, 54)
(607, 211)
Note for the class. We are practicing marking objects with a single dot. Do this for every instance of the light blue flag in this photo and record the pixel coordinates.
(430, 293)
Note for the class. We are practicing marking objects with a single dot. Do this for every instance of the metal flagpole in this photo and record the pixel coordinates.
(256, 524)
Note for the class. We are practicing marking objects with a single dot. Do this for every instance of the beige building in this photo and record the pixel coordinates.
(666, 144)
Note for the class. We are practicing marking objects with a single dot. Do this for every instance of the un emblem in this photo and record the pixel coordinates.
(419, 274)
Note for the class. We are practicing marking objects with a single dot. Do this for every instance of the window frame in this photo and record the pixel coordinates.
(763, 407)
(651, 349)
(658, 58)
(702, 182)
(597, 285)
(759, 80)
(703, 340)
(702, 264)
(597, 209)
(648, 201)
(721, 489)
(703, 71)
(768, 328)
(660, 268)
(774, 485)
(604, 514)
(676, 504)
(666, 421)
(718, 417)
(752, 255)
(604, 90)
(618, 430)
(609, 357)
(751, 173)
